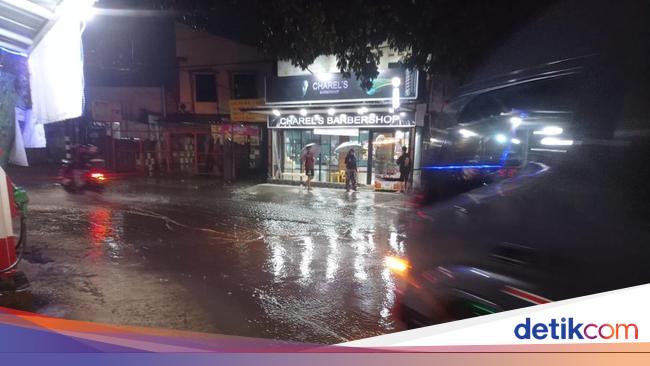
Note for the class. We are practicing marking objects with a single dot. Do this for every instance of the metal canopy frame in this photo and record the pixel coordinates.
(24, 23)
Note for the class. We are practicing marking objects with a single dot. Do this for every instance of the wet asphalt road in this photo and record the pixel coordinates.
(251, 260)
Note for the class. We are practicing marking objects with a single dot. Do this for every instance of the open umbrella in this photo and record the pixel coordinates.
(315, 149)
(347, 146)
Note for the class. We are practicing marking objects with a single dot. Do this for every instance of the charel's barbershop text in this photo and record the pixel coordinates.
(403, 119)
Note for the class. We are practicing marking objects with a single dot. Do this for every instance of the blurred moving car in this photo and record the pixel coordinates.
(551, 157)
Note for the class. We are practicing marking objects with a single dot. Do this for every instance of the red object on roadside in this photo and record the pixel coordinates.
(7, 255)
(12, 202)
(7, 238)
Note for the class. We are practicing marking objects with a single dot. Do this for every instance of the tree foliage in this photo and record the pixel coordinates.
(436, 36)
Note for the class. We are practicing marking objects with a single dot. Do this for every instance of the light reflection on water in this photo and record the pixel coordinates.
(334, 265)
(307, 256)
(333, 255)
(106, 230)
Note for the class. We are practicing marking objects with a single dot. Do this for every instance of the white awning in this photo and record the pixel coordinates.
(23, 23)
(49, 33)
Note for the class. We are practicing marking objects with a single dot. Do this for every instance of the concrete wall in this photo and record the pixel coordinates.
(136, 102)
(202, 52)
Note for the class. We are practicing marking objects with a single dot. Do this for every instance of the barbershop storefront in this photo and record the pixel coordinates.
(329, 110)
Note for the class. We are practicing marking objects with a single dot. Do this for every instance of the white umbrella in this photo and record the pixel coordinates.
(346, 146)
(315, 150)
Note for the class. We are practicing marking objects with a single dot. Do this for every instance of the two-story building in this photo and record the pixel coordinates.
(174, 107)
(217, 77)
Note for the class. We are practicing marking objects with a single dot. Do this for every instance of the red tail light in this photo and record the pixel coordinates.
(97, 176)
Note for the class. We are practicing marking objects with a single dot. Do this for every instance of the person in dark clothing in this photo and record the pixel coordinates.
(404, 163)
(350, 171)
(309, 161)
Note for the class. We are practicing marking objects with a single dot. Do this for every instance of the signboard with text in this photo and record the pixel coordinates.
(336, 88)
(402, 119)
(236, 114)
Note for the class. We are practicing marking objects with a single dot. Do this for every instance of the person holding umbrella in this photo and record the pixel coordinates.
(308, 162)
(350, 171)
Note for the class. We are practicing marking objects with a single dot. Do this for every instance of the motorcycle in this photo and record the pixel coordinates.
(91, 177)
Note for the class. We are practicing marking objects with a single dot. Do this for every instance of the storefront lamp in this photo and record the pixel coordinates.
(276, 113)
(303, 112)
(331, 111)
(362, 110)
(391, 110)
(395, 100)
(396, 82)
(501, 138)
(516, 141)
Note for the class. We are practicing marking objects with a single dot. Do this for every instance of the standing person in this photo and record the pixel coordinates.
(404, 163)
(308, 162)
(350, 171)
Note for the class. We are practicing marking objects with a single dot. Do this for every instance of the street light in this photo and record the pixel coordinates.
(89, 14)
(81, 10)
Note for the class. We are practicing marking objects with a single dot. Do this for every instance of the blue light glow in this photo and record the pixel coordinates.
(469, 166)
(504, 156)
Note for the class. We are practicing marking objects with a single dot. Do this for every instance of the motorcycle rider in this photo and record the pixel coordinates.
(82, 156)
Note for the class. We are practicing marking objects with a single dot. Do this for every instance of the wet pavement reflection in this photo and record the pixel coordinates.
(264, 260)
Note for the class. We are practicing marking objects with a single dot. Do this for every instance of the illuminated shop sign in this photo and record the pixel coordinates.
(402, 119)
(335, 87)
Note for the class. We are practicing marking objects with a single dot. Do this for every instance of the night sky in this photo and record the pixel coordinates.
(129, 49)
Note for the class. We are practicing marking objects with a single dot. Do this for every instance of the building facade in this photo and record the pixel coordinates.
(217, 77)
(327, 109)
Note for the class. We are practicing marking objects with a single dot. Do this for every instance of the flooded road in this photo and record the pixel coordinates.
(259, 260)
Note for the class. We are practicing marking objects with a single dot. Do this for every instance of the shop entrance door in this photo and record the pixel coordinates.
(386, 147)
(330, 166)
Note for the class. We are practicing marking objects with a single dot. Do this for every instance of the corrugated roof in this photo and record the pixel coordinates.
(24, 22)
